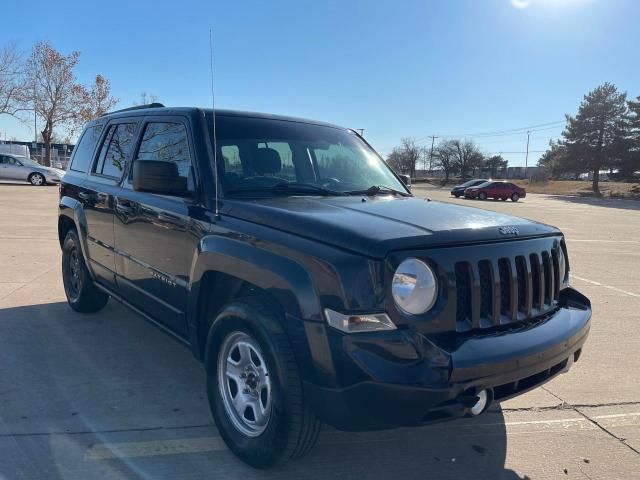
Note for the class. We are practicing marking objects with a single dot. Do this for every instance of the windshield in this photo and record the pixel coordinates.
(264, 155)
(483, 184)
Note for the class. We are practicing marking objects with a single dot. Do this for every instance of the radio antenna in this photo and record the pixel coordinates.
(213, 115)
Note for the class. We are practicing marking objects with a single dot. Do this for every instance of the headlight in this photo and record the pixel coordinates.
(358, 323)
(562, 268)
(414, 287)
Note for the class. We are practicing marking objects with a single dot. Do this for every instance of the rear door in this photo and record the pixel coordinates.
(98, 193)
(157, 235)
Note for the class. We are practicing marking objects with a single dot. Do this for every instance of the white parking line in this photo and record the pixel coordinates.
(602, 241)
(109, 451)
(598, 284)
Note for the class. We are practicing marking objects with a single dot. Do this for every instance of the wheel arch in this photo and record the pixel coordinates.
(71, 216)
(225, 269)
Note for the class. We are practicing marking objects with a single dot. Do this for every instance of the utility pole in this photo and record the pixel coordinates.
(526, 158)
(433, 139)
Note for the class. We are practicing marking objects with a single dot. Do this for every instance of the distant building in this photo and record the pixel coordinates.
(60, 152)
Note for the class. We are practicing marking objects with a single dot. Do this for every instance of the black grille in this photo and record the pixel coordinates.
(511, 289)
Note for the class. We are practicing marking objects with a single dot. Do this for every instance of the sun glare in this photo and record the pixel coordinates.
(520, 3)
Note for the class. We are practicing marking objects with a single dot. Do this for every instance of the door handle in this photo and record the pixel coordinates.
(167, 217)
(86, 196)
(124, 209)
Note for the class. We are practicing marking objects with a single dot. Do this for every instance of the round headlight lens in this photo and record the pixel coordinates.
(562, 267)
(414, 287)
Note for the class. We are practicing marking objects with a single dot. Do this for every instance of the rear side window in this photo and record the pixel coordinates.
(84, 149)
(115, 150)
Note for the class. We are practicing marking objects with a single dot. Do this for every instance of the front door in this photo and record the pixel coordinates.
(157, 235)
(98, 193)
(11, 169)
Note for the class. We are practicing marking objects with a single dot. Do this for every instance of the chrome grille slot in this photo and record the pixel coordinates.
(519, 287)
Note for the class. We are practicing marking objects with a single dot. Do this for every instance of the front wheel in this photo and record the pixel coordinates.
(515, 197)
(37, 179)
(82, 294)
(482, 196)
(254, 386)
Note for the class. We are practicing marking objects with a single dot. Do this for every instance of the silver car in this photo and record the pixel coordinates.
(16, 167)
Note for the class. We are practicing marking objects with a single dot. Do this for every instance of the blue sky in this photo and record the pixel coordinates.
(395, 68)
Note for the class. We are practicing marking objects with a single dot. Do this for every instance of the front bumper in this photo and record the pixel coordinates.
(395, 389)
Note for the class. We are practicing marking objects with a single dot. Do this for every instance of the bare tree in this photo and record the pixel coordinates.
(411, 153)
(11, 86)
(97, 101)
(54, 93)
(443, 158)
(466, 155)
(146, 98)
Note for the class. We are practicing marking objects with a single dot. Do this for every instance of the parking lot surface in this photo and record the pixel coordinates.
(108, 396)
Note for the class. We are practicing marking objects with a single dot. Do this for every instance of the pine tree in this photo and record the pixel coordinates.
(598, 135)
(633, 160)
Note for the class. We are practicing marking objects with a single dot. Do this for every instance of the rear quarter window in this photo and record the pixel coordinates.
(83, 152)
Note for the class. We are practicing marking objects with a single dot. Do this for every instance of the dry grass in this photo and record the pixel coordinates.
(568, 187)
(582, 188)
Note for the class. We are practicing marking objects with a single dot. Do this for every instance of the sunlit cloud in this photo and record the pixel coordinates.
(520, 3)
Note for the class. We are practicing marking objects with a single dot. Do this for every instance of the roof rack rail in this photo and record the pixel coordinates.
(137, 107)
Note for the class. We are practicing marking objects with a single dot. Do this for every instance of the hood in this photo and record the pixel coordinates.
(56, 171)
(375, 226)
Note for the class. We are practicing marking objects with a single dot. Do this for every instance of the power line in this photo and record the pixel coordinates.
(498, 133)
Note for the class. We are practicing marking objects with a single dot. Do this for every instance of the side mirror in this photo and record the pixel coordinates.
(406, 179)
(159, 177)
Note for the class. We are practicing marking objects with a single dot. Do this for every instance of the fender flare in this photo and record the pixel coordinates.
(283, 277)
(72, 209)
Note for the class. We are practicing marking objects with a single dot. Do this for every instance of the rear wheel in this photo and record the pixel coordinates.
(37, 179)
(482, 196)
(254, 386)
(515, 197)
(82, 294)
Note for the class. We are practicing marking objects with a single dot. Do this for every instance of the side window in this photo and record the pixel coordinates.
(119, 148)
(167, 142)
(82, 154)
(3, 160)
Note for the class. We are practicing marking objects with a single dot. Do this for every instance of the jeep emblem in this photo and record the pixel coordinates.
(509, 231)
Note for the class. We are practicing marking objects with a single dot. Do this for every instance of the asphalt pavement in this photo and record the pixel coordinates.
(108, 396)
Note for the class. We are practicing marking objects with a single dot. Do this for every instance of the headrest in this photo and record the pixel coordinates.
(267, 161)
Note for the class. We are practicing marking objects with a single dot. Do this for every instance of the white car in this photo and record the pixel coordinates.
(17, 167)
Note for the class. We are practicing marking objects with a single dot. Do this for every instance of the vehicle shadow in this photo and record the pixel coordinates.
(109, 396)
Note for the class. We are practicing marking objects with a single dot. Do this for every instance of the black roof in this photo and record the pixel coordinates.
(155, 108)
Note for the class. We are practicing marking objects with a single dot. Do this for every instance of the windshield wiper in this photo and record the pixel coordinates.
(288, 188)
(376, 189)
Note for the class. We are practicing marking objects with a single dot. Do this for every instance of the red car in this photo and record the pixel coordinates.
(496, 190)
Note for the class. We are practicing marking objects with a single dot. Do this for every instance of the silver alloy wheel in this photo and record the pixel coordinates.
(244, 383)
(515, 197)
(37, 179)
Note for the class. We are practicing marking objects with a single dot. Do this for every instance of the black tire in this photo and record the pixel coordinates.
(292, 428)
(482, 196)
(37, 180)
(457, 195)
(82, 294)
(515, 197)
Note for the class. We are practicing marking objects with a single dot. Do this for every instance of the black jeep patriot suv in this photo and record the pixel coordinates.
(301, 270)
